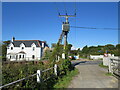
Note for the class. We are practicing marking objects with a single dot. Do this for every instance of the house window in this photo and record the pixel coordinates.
(22, 48)
(10, 56)
(33, 56)
(11, 48)
(33, 48)
(19, 56)
(23, 56)
(16, 56)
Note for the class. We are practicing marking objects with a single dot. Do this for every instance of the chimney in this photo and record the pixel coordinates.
(13, 38)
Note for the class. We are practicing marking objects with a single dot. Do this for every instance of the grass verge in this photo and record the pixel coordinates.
(101, 65)
(65, 81)
(109, 74)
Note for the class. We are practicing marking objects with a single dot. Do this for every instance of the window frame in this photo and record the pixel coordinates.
(22, 48)
(11, 48)
(33, 56)
(33, 48)
(19, 56)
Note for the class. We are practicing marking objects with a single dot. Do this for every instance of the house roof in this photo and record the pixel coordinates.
(28, 43)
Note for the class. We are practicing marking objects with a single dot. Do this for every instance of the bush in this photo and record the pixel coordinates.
(15, 71)
(64, 67)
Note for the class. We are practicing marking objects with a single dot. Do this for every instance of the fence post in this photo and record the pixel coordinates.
(110, 66)
(38, 76)
(55, 69)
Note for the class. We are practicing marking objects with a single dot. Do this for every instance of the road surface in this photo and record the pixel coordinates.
(92, 76)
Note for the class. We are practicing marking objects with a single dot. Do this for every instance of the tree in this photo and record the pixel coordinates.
(57, 51)
(53, 45)
(47, 54)
(85, 49)
(4, 48)
(118, 46)
(98, 50)
(6, 42)
(68, 49)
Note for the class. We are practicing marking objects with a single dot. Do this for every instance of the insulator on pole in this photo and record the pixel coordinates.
(75, 14)
(59, 13)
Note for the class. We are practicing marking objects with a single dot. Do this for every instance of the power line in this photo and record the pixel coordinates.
(75, 7)
(95, 28)
(57, 10)
(65, 8)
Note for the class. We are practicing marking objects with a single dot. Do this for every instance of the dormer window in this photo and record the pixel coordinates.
(11, 48)
(22, 48)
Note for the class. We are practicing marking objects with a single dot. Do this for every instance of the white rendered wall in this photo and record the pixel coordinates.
(106, 61)
(96, 56)
(28, 50)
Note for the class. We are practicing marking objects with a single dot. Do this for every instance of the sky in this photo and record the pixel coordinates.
(40, 21)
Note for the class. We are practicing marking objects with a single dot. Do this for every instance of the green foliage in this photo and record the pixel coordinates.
(53, 45)
(109, 74)
(14, 71)
(47, 55)
(4, 49)
(65, 80)
(98, 50)
(57, 51)
(65, 66)
(85, 49)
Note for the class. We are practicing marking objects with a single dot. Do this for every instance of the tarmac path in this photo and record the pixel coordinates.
(91, 75)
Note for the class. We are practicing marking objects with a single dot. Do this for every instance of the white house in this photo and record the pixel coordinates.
(27, 50)
(96, 56)
(100, 56)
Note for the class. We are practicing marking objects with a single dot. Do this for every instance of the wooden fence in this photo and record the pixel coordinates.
(114, 65)
(38, 74)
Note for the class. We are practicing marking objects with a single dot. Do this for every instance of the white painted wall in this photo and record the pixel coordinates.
(106, 60)
(28, 50)
(96, 56)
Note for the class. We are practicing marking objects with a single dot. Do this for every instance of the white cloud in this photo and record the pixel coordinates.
(73, 48)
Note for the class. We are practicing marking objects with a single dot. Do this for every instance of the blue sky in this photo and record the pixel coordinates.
(40, 21)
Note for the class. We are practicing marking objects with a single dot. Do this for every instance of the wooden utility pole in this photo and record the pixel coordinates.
(65, 30)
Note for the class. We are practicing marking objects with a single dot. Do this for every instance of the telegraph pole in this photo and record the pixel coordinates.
(65, 30)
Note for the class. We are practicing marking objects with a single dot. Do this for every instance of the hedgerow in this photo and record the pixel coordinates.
(16, 71)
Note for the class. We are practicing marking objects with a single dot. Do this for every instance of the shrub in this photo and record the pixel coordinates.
(14, 71)
(64, 66)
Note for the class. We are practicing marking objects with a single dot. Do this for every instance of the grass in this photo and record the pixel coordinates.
(108, 74)
(101, 65)
(65, 81)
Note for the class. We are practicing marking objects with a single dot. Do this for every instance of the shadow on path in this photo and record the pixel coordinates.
(77, 63)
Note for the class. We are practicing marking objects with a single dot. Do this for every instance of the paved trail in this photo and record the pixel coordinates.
(92, 76)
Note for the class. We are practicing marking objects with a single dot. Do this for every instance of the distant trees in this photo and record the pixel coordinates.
(4, 49)
(58, 49)
(53, 45)
(97, 50)
(85, 49)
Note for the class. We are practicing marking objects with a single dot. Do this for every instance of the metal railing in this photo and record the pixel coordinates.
(39, 76)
